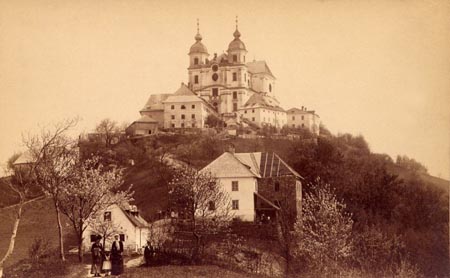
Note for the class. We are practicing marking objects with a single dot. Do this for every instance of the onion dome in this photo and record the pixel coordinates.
(236, 44)
(198, 46)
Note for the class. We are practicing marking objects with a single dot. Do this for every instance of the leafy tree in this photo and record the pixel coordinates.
(411, 164)
(89, 192)
(105, 228)
(325, 230)
(109, 130)
(214, 121)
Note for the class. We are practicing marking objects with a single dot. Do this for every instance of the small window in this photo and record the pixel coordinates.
(293, 125)
(234, 58)
(235, 204)
(293, 117)
(253, 119)
(122, 237)
(107, 216)
(182, 125)
(245, 111)
(277, 186)
(93, 237)
(234, 76)
(303, 117)
(211, 205)
(303, 125)
(172, 107)
(253, 110)
(183, 107)
(234, 186)
(182, 116)
(193, 106)
(173, 117)
(195, 61)
(215, 92)
(193, 124)
(193, 116)
(270, 87)
(196, 79)
(172, 125)
(235, 107)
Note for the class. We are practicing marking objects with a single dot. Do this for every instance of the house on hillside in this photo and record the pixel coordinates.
(259, 184)
(127, 223)
(303, 118)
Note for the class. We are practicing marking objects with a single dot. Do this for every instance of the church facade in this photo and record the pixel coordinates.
(226, 85)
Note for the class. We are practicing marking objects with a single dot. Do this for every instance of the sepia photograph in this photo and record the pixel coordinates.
(224, 139)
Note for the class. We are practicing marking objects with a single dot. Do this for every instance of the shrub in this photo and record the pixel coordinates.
(39, 249)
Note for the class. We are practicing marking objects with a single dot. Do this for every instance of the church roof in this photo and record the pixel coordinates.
(236, 44)
(262, 100)
(154, 102)
(198, 47)
(259, 67)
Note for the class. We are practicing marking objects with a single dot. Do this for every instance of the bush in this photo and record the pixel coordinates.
(39, 249)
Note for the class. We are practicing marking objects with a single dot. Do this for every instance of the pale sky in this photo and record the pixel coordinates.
(376, 68)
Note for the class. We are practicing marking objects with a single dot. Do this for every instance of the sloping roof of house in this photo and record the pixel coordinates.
(262, 100)
(24, 158)
(184, 91)
(300, 111)
(259, 67)
(229, 166)
(136, 220)
(145, 119)
(183, 94)
(154, 102)
(256, 164)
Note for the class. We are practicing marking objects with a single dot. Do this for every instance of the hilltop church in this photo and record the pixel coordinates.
(228, 86)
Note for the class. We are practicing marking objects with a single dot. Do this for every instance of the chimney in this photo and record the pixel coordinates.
(231, 148)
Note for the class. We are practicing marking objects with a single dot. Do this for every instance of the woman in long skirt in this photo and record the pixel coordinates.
(97, 254)
(116, 256)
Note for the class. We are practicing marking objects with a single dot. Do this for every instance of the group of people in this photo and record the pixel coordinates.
(107, 262)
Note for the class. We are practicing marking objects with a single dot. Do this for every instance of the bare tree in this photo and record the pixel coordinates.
(53, 155)
(21, 181)
(89, 192)
(201, 199)
(106, 228)
(109, 129)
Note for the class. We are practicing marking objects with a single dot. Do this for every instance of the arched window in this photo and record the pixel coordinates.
(183, 107)
(195, 61)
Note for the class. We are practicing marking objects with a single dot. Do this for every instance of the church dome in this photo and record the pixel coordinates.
(236, 44)
(198, 46)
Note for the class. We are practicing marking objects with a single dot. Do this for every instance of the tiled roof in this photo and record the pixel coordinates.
(228, 166)
(259, 67)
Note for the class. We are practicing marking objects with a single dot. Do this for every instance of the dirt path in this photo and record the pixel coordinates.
(76, 271)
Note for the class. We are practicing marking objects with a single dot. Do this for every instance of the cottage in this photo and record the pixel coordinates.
(127, 223)
(143, 126)
(256, 183)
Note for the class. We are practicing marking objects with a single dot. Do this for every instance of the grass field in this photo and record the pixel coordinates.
(38, 220)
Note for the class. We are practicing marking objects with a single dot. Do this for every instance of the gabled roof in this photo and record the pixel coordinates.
(183, 94)
(259, 67)
(256, 164)
(229, 166)
(24, 158)
(184, 91)
(136, 220)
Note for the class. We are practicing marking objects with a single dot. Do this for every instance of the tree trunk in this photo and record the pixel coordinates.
(12, 241)
(80, 250)
(60, 231)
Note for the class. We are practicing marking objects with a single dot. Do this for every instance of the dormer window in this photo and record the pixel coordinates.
(195, 61)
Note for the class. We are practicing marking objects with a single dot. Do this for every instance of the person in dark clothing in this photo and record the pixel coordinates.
(97, 257)
(116, 256)
(149, 253)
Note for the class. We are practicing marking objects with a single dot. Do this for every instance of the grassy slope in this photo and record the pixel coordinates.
(38, 220)
(407, 175)
(184, 271)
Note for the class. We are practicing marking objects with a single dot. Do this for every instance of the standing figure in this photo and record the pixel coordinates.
(149, 253)
(97, 254)
(116, 256)
(106, 267)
